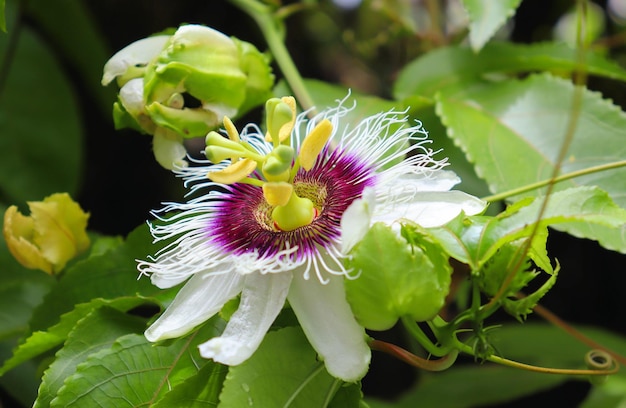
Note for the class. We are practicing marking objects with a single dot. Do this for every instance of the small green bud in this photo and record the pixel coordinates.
(187, 82)
(210, 67)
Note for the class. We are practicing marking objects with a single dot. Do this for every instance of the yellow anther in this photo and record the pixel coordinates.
(277, 193)
(231, 130)
(233, 173)
(314, 142)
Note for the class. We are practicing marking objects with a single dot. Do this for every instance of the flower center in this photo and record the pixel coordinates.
(294, 205)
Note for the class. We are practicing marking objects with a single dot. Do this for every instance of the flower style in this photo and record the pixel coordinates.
(270, 226)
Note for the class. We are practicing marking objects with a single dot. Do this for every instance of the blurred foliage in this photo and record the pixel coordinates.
(492, 84)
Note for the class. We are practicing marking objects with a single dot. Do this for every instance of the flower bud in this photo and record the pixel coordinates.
(187, 82)
(53, 234)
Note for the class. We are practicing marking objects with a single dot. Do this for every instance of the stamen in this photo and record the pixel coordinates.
(233, 173)
(313, 144)
(231, 130)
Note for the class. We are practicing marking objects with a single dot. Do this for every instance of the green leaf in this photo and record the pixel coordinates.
(71, 28)
(110, 275)
(106, 279)
(41, 147)
(17, 301)
(520, 308)
(44, 340)
(551, 346)
(348, 396)
(3, 21)
(134, 372)
(477, 239)
(472, 386)
(396, 279)
(487, 17)
(23, 382)
(611, 393)
(284, 371)
(96, 331)
(198, 391)
(21, 290)
(458, 66)
(470, 182)
(513, 131)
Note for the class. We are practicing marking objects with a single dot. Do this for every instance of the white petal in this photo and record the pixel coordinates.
(330, 326)
(131, 96)
(355, 221)
(166, 281)
(197, 301)
(262, 299)
(168, 148)
(199, 34)
(439, 180)
(429, 209)
(140, 52)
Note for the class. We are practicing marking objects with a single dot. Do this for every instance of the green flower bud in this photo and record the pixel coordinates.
(51, 236)
(130, 62)
(186, 83)
(222, 76)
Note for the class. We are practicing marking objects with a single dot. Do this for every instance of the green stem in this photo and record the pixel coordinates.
(419, 335)
(579, 79)
(270, 26)
(545, 370)
(13, 37)
(563, 177)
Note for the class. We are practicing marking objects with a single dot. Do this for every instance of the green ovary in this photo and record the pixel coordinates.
(297, 213)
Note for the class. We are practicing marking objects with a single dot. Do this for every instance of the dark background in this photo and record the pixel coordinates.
(122, 182)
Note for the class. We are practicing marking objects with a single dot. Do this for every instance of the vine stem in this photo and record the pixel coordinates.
(441, 364)
(563, 177)
(449, 359)
(579, 79)
(417, 333)
(271, 29)
(544, 370)
(558, 322)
